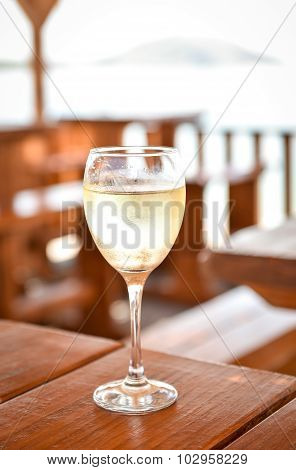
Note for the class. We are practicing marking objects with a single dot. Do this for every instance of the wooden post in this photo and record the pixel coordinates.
(243, 189)
(37, 12)
(200, 149)
(287, 138)
(168, 133)
(228, 147)
(38, 75)
(257, 148)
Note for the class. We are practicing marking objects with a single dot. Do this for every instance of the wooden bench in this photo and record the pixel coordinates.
(235, 327)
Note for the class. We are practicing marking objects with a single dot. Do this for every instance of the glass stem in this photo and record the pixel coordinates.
(135, 291)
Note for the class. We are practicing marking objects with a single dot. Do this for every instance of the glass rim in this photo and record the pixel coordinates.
(133, 151)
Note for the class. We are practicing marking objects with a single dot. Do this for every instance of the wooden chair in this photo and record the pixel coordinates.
(22, 151)
(182, 277)
(33, 288)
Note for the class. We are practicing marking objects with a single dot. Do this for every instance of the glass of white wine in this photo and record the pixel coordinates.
(134, 200)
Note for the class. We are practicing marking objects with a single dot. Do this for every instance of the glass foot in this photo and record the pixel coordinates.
(127, 398)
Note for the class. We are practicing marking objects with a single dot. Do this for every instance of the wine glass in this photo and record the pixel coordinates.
(134, 200)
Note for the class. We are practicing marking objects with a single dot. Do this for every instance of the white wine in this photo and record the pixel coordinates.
(134, 230)
(134, 214)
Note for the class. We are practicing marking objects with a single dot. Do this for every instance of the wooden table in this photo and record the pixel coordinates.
(31, 355)
(219, 406)
(264, 260)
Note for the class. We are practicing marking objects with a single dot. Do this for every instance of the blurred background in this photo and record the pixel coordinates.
(215, 79)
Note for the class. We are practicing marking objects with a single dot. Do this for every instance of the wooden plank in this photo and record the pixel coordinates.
(237, 325)
(277, 355)
(277, 432)
(199, 325)
(278, 242)
(238, 342)
(31, 355)
(55, 296)
(216, 405)
(272, 278)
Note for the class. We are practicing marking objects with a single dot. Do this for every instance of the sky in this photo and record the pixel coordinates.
(97, 28)
(80, 33)
(107, 27)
